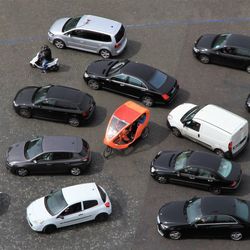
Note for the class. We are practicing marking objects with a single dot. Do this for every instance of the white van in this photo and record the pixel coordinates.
(218, 129)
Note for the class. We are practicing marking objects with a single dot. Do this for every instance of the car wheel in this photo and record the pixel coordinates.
(219, 152)
(75, 171)
(59, 44)
(236, 236)
(216, 190)
(93, 84)
(24, 112)
(49, 229)
(22, 172)
(147, 101)
(248, 69)
(105, 53)
(101, 217)
(74, 122)
(107, 152)
(175, 235)
(176, 132)
(145, 133)
(204, 59)
(162, 179)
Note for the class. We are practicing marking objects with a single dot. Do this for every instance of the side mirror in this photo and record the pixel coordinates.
(34, 161)
(178, 173)
(60, 217)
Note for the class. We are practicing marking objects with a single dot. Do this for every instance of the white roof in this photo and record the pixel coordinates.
(220, 118)
(81, 192)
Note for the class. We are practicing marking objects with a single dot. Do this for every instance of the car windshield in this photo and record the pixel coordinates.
(71, 23)
(242, 209)
(40, 94)
(117, 66)
(220, 41)
(115, 126)
(33, 148)
(158, 79)
(190, 114)
(193, 210)
(181, 160)
(55, 202)
(225, 167)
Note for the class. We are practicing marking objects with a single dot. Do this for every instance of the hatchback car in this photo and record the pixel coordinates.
(55, 103)
(223, 216)
(49, 155)
(232, 50)
(89, 33)
(69, 206)
(133, 79)
(196, 169)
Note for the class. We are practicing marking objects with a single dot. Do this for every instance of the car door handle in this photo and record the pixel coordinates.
(210, 180)
(198, 135)
(122, 84)
(191, 177)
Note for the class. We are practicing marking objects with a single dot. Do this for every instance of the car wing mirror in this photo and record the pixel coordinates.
(178, 173)
(34, 161)
(60, 217)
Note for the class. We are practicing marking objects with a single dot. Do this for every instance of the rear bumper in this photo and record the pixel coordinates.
(116, 52)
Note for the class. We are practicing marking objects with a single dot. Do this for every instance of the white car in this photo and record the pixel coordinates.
(216, 128)
(69, 206)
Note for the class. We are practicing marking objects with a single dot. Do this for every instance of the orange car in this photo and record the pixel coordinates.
(127, 124)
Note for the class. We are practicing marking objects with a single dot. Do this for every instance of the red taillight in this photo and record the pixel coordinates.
(85, 114)
(165, 97)
(233, 184)
(117, 45)
(107, 204)
(230, 146)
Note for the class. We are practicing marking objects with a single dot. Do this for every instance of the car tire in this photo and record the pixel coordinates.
(161, 179)
(176, 132)
(145, 133)
(60, 44)
(215, 190)
(219, 152)
(24, 112)
(107, 152)
(236, 236)
(22, 172)
(49, 229)
(105, 53)
(93, 84)
(147, 101)
(248, 69)
(75, 171)
(101, 217)
(204, 59)
(174, 235)
(74, 122)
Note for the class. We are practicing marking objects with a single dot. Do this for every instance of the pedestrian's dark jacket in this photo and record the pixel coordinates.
(45, 54)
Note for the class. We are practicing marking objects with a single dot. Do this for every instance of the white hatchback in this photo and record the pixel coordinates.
(69, 206)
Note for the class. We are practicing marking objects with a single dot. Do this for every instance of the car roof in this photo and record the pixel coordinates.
(81, 192)
(99, 24)
(237, 40)
(139, 70)
(218, 205)
(71, 144)
(220, 118)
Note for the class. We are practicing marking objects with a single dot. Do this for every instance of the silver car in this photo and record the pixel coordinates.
(89, 33)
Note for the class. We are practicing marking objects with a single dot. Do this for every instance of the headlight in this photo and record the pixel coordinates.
(196, 50)
(15, 104)
(86, 74)
(38, 222)
(152, 169)
(50, 33)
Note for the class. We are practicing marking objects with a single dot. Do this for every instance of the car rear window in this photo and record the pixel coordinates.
(120, 34)
(102, 193)
(85, 147)
(225, 168)
(158, 79)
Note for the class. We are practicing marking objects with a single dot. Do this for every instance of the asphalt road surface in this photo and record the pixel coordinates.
(161, 33)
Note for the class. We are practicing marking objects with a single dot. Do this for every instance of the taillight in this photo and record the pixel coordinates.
(85, 114)
(165, 97)
(233, 184)
(117, 45)
(107, 204)
(230, 146)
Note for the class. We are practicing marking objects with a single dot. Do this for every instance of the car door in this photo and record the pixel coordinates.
(186, 176)
(191, 130)
(135, 87)
(62, 162)
(75, 39)
(221, 56)
(205, 178)
(43, 164)
(90, 210)
(71, 215)
(117, 83)
(44, 109)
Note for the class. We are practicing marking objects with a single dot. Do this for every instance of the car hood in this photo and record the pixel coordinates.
(15, 153)
(205, 41)
(163, 160)
(178, 112)
(37, 211)
(173, 213)
(99, 67)
(57, 26)
(24, 96)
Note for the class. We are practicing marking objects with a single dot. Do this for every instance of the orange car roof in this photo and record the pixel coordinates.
(130, 111)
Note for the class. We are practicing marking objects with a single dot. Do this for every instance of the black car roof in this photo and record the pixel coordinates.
(236, 40)
(72, 144)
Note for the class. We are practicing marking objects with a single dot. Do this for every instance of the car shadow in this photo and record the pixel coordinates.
(5, 202)
(131, 49)
(243, 189)
(96, 164)
(98, 117)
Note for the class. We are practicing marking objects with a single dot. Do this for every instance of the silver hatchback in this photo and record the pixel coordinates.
(89, 33)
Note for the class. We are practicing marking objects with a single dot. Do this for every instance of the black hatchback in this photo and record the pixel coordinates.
(232, 50)
(55, 103)
(133, 79)
(49, 155)
(196, 169)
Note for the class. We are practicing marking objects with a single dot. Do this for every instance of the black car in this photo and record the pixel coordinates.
(48, 155)
(247, 103)
(232, 50)
(196, 169)
(133, 79)
(215, 216)
(55, 103)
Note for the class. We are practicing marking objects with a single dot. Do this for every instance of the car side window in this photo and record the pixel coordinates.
(45, 157)
(193, 125)
(205, 173)
(62, 156)
(207, 219)
(89, 204)
(191, 170)
(120, 78)
(224, 219)
(75, 208)
(242, 52)
(77, 33)
(135, 82)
